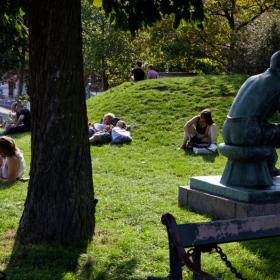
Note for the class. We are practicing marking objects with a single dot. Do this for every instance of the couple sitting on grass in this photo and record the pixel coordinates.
(110, 130)
(200, 133)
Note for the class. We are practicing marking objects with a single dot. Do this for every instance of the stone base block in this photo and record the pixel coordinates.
(223, 208)
(212, 185)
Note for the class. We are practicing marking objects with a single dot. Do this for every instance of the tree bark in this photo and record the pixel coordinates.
(60, 203)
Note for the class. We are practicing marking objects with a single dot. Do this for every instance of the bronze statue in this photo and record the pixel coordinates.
(247, 123)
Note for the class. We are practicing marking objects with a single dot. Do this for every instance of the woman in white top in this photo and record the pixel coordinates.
(200, 129)
(12, 164)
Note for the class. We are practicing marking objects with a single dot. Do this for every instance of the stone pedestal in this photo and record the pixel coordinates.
(207, 195)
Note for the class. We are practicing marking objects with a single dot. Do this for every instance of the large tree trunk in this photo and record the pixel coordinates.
(60, 203)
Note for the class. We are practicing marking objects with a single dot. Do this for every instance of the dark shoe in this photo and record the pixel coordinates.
(189, 147)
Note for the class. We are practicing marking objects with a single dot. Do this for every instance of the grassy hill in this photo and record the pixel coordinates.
(135, 184)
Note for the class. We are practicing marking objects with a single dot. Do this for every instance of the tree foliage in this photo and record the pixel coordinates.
(107, 51)
(257, 43)
(135, 14)
(13, 32)
(227, 20)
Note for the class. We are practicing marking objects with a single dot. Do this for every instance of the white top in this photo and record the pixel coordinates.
(99, 126)
(4, 167)
(119, 132)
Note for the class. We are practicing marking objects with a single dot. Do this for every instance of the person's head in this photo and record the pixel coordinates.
(206, 115)
(7, 146)
(16, 107)
(121, 124)
(151, 67)
(275, 61)
(108, 118)
(138, 63)
(13, 107)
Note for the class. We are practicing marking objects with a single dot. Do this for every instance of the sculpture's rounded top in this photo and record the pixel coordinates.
(275, 60)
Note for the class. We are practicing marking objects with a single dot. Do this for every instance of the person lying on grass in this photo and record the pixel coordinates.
(12, 163)
(120, 134)
(101, 133)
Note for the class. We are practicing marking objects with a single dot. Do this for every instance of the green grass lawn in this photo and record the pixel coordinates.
(135, 184)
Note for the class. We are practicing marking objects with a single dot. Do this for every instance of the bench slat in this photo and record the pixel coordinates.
(223, 231)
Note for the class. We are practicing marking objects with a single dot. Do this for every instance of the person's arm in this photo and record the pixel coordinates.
(19, 120)
(131, 75)
(13, 166)
(108, 128)
(191, 122)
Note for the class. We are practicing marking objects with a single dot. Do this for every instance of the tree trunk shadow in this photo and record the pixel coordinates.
(46, 261)
(56, 262)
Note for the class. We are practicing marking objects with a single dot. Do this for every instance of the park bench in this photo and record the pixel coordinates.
(205, 237)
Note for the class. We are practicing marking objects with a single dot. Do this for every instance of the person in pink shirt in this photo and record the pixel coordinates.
(152, 73)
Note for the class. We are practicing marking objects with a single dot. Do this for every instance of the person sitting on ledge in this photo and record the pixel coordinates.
(256, 101)
(200, 129)
(12, 163)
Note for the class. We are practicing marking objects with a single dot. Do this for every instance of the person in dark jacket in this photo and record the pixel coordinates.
(22, 121)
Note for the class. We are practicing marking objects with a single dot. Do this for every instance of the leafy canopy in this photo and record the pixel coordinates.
(134, 14)
(13, 31)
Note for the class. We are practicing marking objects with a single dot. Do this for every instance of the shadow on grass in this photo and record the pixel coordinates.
(6, 186)
(56, 262)
(44, 261)
(206, 157)
(117, 270)
(210, 157)
(119, 145)
(268, 251)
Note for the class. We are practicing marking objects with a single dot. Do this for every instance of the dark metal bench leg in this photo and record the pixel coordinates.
(197, 262)
(175, 264)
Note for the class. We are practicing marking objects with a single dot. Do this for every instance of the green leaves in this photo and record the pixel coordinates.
(13, 31)
(133, 15)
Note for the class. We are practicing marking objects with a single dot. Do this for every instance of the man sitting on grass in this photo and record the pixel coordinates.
(22, 122)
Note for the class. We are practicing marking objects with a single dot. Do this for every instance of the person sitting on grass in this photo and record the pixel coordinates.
(12, 163)
(152, 73)
(137, 74)
(200, 129)
(22, 122)
(120, 134)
